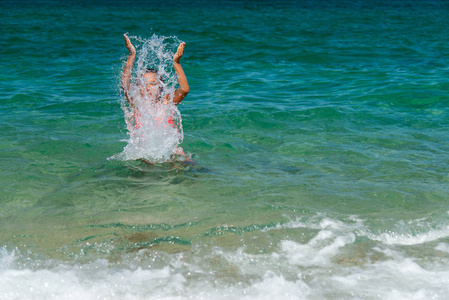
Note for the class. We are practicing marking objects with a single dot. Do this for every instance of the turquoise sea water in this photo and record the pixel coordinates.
(320, 145)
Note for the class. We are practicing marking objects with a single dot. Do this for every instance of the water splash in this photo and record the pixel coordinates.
(154, 124)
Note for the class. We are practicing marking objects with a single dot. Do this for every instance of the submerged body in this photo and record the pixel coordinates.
(152, 117)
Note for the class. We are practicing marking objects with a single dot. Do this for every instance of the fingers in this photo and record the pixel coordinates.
(181, 49)
(179, 52)
(127, 41)
(128, 45)
(182, 46)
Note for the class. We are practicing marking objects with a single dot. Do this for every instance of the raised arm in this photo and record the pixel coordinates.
(183, 89)
(127, 72)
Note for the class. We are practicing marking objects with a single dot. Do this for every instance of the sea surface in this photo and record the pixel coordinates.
(318, 133)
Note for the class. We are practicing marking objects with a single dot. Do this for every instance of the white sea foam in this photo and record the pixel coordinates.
(444, 247)
(412, 232)
(400, 238)
(337, 260)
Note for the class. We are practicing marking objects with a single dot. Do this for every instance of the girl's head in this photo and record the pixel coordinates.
(151, 84)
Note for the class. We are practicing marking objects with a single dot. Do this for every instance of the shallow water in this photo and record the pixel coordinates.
(319, 137)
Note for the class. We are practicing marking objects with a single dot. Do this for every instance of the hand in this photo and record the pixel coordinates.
(179, 53)
(129, 46)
